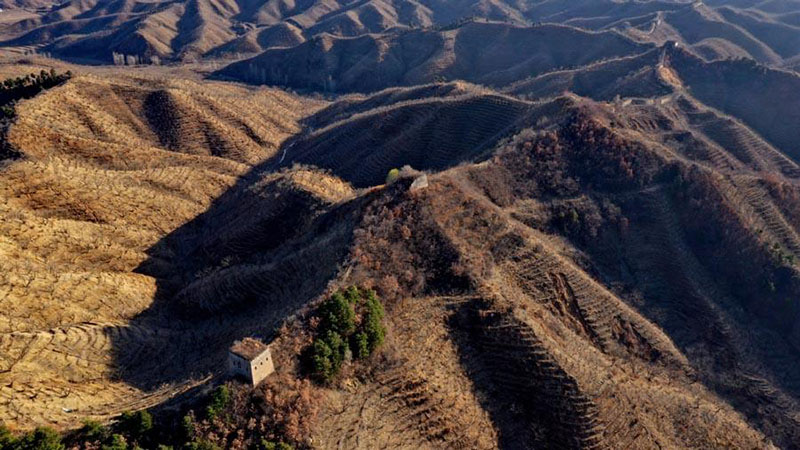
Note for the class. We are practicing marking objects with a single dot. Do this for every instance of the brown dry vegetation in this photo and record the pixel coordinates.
(599, 275)
(94, 190)
(94, 31)
(470, 265)
(508, 313)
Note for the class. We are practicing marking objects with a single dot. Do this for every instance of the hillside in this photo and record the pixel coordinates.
(761, 97)
(26, 4)
(736, 94)
(626, 77)
(757, 30)
(534, 255)
(98, 184)
(496, 250)
(431, 133)
(556, 258)
(486, 53)
(570, 223)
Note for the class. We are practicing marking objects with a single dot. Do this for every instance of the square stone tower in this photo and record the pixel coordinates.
(250, 359)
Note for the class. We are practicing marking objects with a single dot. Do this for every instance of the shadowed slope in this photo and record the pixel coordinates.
(598, 275)
(547, 337)
(765, 99)
(487, 53)
(715, 102)
(430, 134)
(92, 192)
(633, 76)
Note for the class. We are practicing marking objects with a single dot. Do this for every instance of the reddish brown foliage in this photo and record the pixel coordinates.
(582, 155)
(281, 409)
(289, 407)
(399, 244)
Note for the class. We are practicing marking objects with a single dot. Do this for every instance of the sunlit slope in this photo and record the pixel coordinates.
(98, 184)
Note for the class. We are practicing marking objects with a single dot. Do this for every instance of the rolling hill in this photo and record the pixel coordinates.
(188, 30)
(556, 258)
(99, 182)
(591, 240)
(487, 53)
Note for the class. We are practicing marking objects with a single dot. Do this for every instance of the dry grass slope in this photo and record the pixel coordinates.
(95, 189)
(572, 276)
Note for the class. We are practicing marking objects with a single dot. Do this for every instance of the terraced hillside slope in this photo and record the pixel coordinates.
(600, 274)
(569, 268)
(627, 77)
(739, 92)
(573, 258)
(763, 31)
(108, 167)
(22, 5)
(429, 133)
(605, 254)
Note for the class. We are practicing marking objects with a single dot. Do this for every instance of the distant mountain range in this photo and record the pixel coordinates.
(92, 30)
(487, 53)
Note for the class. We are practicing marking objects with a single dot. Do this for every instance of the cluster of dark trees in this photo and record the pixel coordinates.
(42, 438)
(349, 327)
(131, 431)
(138, 430)
(14, 89)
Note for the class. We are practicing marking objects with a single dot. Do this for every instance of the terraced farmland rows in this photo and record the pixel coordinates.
(735, 138)
(593, 312)
(82, 354)
(701, 318)
(675, 275)
(421, 396)
(83, 213)
(406, 412)
(523, 369)
(617, 359)
(665, 120)
(775, 224)
(742, 142)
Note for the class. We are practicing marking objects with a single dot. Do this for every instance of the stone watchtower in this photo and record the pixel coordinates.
(250, 359)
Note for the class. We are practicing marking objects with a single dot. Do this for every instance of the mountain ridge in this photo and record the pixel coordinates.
(576, 223)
